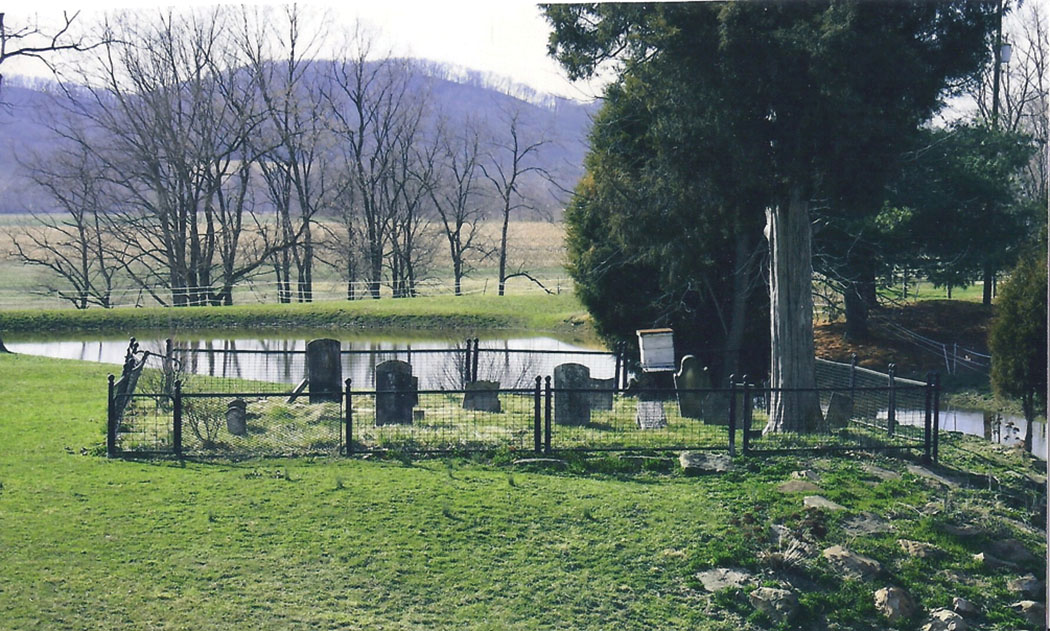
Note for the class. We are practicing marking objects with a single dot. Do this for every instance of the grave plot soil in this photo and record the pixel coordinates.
(948, 321)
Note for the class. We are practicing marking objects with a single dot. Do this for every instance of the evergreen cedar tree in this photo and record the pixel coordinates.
(720, 111)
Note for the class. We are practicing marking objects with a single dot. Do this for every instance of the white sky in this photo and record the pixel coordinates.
(505, 37)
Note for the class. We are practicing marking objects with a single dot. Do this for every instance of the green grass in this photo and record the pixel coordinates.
(450, 543)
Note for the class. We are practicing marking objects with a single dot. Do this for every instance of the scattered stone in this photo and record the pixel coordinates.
(992, 562)
(1012, 551)
(894, 603)
(850, 564)
(821, 502)
(923, 472)
(697, 462)
(798, 486)
(723, 578)
(866, 524)
(806, 474)
(1033, 612)
(880, 473)
(919, 549)
(778, 604)
(964, 607)
(1027, 585)
(944, 620)
(963, 530)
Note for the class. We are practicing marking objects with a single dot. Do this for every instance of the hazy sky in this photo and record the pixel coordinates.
(506, 37)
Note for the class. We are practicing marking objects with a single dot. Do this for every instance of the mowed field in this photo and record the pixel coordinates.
(536, 247)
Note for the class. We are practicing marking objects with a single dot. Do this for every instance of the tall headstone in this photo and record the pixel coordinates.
(236, 415)
(572, 398)
(324, 371)
(602, 397)
(482, 395)
(396, 393)
(689, 382)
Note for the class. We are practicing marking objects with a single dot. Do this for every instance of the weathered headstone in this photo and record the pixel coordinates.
(840, 410)
(396, 393)
(691, 378)
(650, 415)
(715, 407)
(236, 413)
(324, 370)
(572, 399)
(602, 398)
(482, 396)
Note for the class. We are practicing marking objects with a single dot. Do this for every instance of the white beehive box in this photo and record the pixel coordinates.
(657, 347)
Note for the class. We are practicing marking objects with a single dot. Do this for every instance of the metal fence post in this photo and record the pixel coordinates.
(547, 417)
(111, 421)
(747, 415)
(891, 405)
(537, 417)
(936, 414)
(619, 366)
(169, 365)
(474, 366)
(927, 425)
(177, 419)
(853, 378)
(349, 419)
(732, 415)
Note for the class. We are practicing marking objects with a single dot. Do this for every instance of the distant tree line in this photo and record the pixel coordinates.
(201, 149)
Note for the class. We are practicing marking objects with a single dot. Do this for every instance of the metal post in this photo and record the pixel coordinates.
(169, 365)
(936, 414)
(466, 364)
(111, 421)
(891, 405)
(537, 425)
(474, 370)
(732, 415)
(177, 419)
(747, 415)
(349, 419)
(619, 365)
(547, 417)
(927, 425)
(853, 378)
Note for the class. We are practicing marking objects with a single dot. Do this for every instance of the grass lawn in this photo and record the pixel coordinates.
(603, 543)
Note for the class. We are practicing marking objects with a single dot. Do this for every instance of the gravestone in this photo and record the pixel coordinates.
(396, 393)
(324, 371)
(602, 397)
(572, 407)
(650, 415)
(716, 408)
(689, 379)
(236, 412)
(482, 396)
(840, 410)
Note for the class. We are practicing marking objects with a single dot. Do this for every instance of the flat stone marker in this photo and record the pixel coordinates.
(396, 393)
(650, 415)
(573, 406)
(236, 412)
(690, 378)
(840, 410)
(324, 371)
(482, 396)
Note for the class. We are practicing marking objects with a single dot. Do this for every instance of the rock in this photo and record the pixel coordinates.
(778, 604)
(820, 502)
(880, 473)
(696, 462)
(1027, 585)
(866, 524)
(1033, 612)
(964, 607)
(723, 578)
(923, 472)
(797, 486)
(894, 603)
(1012, 551)
(850, 564)
(919, 549)
(787, 548)
(944, 620)
(963, 530)
(992, 562)
(806, 474)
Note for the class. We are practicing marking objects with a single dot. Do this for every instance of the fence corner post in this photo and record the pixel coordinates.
(111, 421)
(177, 419)
(349, 418)
(537, 417)
(548, 404)
(936, 415)
(732, 416)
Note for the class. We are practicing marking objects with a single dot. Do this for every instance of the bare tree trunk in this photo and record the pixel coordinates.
(795, 407)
